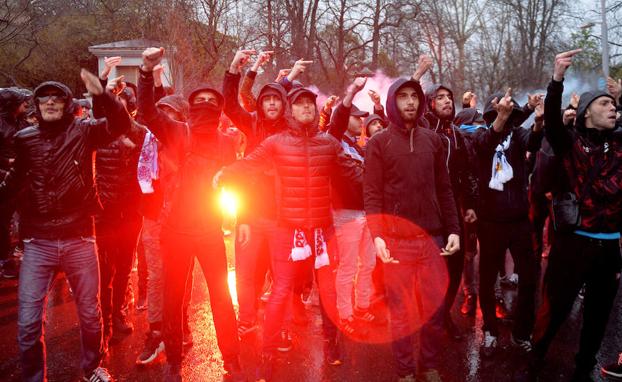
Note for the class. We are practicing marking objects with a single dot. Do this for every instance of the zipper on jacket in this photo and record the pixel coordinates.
(307, 175)
(75, 162)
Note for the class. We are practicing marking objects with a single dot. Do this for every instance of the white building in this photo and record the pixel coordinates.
(130, 52)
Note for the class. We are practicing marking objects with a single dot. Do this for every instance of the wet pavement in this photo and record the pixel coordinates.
(370, 360)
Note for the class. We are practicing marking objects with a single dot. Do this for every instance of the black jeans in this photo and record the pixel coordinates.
(576, 260)
(117, 237)
(494, 239)
(539, 211)
(7, 208)
(179, 252)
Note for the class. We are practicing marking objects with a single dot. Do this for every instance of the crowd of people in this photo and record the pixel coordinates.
(390, 204)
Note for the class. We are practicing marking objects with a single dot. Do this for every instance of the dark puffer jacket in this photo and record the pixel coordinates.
(116, 171)
(407, 189)
(54, 164)
(260, 200)
(305, 161)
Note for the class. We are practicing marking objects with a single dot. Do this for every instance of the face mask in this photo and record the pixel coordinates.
(204, 117)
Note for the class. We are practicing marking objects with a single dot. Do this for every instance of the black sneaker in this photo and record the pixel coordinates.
(154, 346)
(98, 375)
(172, 373)
(187, 339)
(265, 368)
(332, 354)
(233, 372)
(285, 344)
(452, 330)
(10, 269)
(613, 370)
(142, 302)
(120, 324)
(469, 306)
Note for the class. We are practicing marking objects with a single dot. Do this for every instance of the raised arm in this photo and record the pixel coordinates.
(117, 121)
(558, 136)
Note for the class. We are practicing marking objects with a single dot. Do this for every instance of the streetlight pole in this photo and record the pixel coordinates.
(604, 38)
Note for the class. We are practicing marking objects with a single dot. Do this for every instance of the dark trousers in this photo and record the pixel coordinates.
(179, 252)
(7, 208)
(415, 293)
(576, 260)
(539, 211)
(286, 275)
(117, 236)
(251, 264)
(494, 239)
(455, 265)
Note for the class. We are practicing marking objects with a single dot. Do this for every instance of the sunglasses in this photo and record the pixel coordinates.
(54, 98)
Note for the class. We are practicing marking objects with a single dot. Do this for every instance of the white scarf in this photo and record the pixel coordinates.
(148, 170)
(302, 250)
(501, 169)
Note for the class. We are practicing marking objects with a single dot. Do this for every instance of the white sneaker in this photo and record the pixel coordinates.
(489, 345)
(99, 375)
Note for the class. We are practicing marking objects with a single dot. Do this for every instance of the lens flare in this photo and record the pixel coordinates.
(229, 202)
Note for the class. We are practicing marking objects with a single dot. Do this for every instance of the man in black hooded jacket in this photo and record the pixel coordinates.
(504, 213)
(13, 104)
(191, 219)
(54, 168)
(440, 114)
(410, 211)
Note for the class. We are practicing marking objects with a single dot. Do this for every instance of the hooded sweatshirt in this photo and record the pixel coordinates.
(459, 162)
(10, 100)
(511, 204)
(407, 191)
(261, 202)
(195, 152)
(580, 149)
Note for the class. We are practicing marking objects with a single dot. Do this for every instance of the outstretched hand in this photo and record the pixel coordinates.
(262, 59)
(423, 65)
(562, 63)
(240, 59)
(299, 67)
(109, 64)
(152, 57)
(91, 82)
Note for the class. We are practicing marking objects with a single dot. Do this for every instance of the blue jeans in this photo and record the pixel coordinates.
(415, 292)
(43, 259)
(251, 264)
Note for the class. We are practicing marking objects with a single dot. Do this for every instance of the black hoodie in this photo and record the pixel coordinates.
(261, 202)
(511, 204)
(10, 100)
(459, 162)
(580, 149)
(407, 190)
(197, 151)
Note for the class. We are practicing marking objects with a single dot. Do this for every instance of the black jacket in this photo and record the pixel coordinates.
(10, 100)
(305, 161)
(407, 190)
(116, 168)
(457, 157)
(261, 202)
(196, 152)
(512, 203)
(54, 167)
